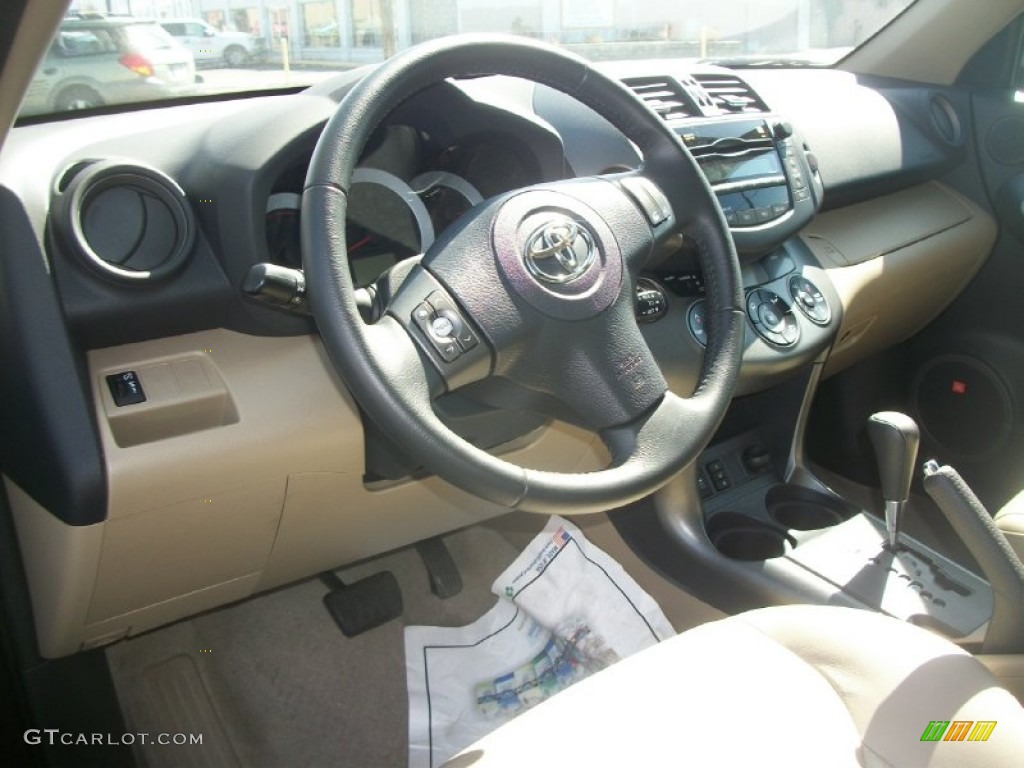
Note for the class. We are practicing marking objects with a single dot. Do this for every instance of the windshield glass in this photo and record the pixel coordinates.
(120, 51)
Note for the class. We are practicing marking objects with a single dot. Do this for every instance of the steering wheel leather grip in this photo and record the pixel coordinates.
(542, 281)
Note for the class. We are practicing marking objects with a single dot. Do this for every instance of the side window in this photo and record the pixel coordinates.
(195, 30)
(174, 28)
(86, 42)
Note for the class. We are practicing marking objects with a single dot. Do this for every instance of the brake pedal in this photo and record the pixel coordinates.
(445, 579)
(364, 605)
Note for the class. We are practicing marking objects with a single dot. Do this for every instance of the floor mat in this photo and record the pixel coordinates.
(283, 685)
(565, 610)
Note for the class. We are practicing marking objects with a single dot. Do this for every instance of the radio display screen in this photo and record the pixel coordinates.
(719, 168)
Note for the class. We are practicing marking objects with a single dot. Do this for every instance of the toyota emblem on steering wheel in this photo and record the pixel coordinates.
(559, 251)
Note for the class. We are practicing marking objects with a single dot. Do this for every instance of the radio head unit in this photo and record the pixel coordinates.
(761, 175)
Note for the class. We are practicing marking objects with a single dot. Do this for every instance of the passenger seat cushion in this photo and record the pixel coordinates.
(787, 686)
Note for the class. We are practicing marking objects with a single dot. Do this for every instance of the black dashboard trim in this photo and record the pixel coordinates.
(50, 444)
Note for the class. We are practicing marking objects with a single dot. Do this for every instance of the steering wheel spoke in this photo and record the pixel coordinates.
(444, 332)
(400, 359)
(663, 427)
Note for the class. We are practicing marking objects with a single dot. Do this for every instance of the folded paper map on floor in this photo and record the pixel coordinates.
(565, 610)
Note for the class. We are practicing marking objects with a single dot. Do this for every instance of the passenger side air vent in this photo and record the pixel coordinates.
(664, 95)
(128, 222)
(730, 94)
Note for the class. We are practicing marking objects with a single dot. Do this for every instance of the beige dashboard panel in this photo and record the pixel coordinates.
(897, 262)
(243, 470)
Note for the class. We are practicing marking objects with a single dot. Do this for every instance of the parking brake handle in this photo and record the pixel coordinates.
(999, 563)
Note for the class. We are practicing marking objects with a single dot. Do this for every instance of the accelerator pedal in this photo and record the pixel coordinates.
(363, 605)
(445, 579)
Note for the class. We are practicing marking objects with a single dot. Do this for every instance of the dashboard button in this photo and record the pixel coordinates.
(754, 302)
(780, 208)
(702, 485)
(763, 214)
(810, 300)
(769, 317)
(746, 218)
(791, 333)
(126, 389)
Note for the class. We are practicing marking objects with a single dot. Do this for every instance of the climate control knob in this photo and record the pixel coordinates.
(810, 300)
(772, 318)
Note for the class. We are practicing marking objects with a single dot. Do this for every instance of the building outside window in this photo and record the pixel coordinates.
(280, 22)
(247, 20)
(216, 19)
(320, 24)
(366, 23)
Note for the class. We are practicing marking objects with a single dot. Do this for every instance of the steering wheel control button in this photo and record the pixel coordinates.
(651, 304)
(697, 319)
(810, 300)
(649, 198)
(559, 251)
(441, 327)
(126, 389)
(447, 318)
(430, 323)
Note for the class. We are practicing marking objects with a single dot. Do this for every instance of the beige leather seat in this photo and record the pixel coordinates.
(1010, 520)
(821, 687)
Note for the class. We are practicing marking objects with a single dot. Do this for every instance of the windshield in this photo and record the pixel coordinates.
(163, 49)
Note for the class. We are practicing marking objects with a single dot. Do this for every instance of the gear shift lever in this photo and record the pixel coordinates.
(895, 438)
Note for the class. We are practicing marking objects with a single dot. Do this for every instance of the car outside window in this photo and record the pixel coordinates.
(86, 42)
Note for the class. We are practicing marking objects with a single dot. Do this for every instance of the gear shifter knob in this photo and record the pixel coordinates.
(895, 439)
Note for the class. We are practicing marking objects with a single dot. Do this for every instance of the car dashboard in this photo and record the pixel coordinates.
(186, 442)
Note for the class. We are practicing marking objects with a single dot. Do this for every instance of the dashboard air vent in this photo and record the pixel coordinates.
(730, 94)
(664, 95)
(128, 222)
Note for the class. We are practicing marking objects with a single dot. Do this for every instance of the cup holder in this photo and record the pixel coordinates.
(801, 509)
(740, 537)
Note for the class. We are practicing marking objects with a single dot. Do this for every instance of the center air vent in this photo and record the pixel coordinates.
(127, 221)
(730, 94)
(664, 95)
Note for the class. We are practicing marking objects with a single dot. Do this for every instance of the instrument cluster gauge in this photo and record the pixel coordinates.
(388, 219)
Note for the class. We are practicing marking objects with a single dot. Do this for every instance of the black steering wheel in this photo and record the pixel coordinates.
(532, 291)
